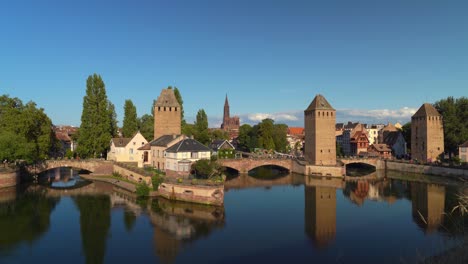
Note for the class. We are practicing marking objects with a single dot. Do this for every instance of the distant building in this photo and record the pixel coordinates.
(126, 149)
(230, 124)
(64, 134)
(167, 114)
(396, 142)
(359, 143)
(388, 128)
(222, 148)
(427, 134)
(295, 137)
(380, 150)
(463, 152)
(157, 148)
(320, 140)
(180, 156)
(373, 132)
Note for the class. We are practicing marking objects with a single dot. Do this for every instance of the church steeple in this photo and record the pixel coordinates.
(226, 109)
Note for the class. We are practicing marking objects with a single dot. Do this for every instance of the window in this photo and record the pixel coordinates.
(130, 151)
(194, 155)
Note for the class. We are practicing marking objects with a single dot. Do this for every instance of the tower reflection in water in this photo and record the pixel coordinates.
(428, 205)
(177, 223)
(320, 210)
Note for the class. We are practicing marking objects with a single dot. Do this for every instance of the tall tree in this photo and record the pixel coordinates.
(265, 136)
(25, 131)
(130, 122)
(146, 126)
(95, 128)
(201, 127)
(455, 116)
(244, 138)
(406, 131)
(112, 119)
(280, 139)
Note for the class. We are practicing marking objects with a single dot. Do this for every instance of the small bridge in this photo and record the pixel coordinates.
(376, 162)
(243, 166)
(96, 167)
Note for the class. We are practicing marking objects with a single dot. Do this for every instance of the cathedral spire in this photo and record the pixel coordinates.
(226, 109)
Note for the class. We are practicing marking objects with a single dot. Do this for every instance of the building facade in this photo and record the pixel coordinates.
(180, 156)
(167, 114)
(320, 140)
(427, 134)
(230, 124)
(126, 149)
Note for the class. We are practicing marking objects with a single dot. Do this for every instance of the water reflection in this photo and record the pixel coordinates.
(62, 178)
(320, 214)
(428, 205)
(24, 218)
(177, 223)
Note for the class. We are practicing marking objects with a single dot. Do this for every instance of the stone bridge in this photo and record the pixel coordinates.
(243, 166)
(96, 167)
(376, 162)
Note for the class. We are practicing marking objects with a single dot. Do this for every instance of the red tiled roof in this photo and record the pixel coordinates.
(296, 131)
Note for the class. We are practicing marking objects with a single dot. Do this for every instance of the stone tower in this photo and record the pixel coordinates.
(320, 140)
(167, 114)
(427, 134)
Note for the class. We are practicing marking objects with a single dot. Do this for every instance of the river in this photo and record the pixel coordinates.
(391, 218)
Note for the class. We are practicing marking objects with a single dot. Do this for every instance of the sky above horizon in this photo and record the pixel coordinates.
(374, 61)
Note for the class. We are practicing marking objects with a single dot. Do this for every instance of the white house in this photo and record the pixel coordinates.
(181, 155)
(126, 149)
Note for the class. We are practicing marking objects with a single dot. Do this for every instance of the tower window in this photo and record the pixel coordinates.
(175, 109)
(170, 109)
(159, 108)
(164, 109)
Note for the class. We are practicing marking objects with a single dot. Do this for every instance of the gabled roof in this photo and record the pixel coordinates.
(426, 110)
(121, 142)
(188, 145)
(319, 103)
(218, 143)
(464, 145)
(382, 147)
(163, 141)
(389, 127)
(358, 135)
(167, 98)
(391, 137)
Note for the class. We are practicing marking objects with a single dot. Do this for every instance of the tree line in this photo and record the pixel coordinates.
(266, 135)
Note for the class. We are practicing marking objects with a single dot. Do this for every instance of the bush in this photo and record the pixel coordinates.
(116, 174)
(142, 189)
(157, 180)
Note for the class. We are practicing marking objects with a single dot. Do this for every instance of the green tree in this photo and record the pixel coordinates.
(112, 119)
(244, 138)
(146, 126)
(201, 127)
(95, 128)
(280, 139)
(219, 134)
(130, 122)
(25, 131)
(455, 116)
(406, 131)
(265, 134)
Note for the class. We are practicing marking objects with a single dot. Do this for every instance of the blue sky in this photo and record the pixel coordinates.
(375, 61)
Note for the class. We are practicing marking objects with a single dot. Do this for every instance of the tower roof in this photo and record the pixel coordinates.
(320, 103)
(167, 98)
(426, 110)
(226, 102)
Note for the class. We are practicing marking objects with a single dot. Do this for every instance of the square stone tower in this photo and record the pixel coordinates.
(167, 114)
(427, 134)
(320, 140)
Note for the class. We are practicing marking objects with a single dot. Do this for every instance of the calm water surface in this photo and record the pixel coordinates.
(294, 219)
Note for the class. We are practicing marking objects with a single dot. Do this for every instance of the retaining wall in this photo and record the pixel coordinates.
(426, 169)
(8, 179)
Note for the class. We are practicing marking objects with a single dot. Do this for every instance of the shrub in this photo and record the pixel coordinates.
(116, 174)
(157, 180)
(142, 189)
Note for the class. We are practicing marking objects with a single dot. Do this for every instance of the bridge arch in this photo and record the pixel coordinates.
(245, 165)
(93, 166)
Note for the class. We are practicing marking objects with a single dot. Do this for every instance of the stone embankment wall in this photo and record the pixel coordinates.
(8, 179)
(212, 195)
(425, 169)
(133, 176)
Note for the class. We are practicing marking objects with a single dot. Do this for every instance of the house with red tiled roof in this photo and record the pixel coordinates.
(359, 142)
(380, 150)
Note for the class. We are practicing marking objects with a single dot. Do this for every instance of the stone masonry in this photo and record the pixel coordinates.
(427, 134)
(167, 114)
